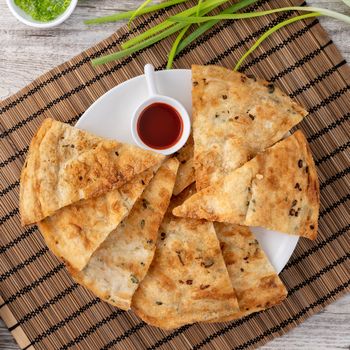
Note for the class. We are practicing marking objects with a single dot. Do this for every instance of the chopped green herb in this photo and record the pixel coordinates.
(207, 263)
(134, 279)
(180, 258)
(43, 10)
(270, 88)
(250, 76)
(204, 286)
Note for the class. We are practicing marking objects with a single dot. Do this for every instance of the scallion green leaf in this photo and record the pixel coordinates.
(127, 15)
(139, 46)
(183, 20)
(199, 7)
(172, 52)
(271, 31)
(206, 26)
(138, 10)
(325, 12)
(209, 6)
(163, 30)
(148, 33)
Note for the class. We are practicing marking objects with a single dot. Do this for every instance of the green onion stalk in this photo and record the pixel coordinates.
(182, 22)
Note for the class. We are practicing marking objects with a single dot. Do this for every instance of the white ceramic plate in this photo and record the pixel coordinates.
(110, 116)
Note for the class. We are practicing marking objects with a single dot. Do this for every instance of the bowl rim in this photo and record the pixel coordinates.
(16, 11)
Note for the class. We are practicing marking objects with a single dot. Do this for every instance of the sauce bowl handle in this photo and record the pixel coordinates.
(150, 79)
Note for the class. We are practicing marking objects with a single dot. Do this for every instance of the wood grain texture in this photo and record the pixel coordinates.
(27, 52)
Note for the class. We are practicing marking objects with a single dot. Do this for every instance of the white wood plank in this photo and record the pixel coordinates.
(26, 53)
(328, 330)
(6, 340)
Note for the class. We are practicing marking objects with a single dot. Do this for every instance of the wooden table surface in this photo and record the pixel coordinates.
(25, 53)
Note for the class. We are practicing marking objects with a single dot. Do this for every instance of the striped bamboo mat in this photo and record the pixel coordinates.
(45, 309)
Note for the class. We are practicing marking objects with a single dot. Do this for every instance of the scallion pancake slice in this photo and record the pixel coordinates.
(277, 190)
(121, 262)
(74, 232)
(187, 281)
(185, 174)
(234, 118)
(253, 278)
(65, 164)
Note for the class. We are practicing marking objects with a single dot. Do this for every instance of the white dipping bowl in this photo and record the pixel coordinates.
(28, 20)
(178, 107)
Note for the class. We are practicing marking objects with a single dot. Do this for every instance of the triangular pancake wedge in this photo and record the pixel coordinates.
(278, 190)
(65, 164)
(121, 262)
(234, 118)
(187, 281)
(185, 174)
(74, 232)
(253, 278)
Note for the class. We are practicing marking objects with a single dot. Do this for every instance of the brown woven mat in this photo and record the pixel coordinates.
(45, 309)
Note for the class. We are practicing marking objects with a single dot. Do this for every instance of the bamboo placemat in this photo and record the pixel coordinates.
(45, 309)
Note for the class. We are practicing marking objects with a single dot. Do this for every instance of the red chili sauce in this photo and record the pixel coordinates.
(159, 126)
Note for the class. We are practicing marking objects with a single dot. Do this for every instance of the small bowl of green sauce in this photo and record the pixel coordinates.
(42, 13)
